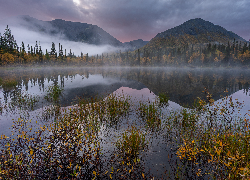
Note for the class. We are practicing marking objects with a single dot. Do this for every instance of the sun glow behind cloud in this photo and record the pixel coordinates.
(77, 2)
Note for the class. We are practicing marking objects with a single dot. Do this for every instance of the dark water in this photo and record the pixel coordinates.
(182, 85)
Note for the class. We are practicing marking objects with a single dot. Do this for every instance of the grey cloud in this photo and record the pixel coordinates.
(45, 9)
(133, 19)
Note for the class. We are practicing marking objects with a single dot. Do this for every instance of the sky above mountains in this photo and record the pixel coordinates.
(129, 20)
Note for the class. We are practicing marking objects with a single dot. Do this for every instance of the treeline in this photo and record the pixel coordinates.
(216, 54)
(11, 53)
(207, 54)
(156, 54)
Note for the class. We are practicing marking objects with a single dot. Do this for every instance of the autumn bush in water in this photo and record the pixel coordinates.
(209, 142)
(221, 141)
(68, 148)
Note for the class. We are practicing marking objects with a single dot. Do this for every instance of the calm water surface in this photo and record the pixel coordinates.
(142, 84)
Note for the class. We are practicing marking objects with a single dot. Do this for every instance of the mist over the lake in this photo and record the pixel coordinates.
(28, 33)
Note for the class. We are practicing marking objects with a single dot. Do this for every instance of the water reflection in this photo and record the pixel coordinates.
(140, 84)
(182, 85)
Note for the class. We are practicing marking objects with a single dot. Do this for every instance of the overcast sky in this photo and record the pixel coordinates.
(129, 20)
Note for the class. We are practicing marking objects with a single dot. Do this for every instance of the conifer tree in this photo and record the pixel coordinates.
(28, 49)
(139, 57)
(36, 48)
(244, 47)
(61, 51)
(233, 47)
(7, 42)
(53, 49)
(31, 50)
(23, 47)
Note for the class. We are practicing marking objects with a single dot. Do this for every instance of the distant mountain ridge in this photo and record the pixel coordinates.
(194, 31)
(79, 32)
(73, 31)
(198, 26)
(135, 44)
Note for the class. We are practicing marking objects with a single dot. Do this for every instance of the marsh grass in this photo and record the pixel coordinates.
(54, 93)
(130, 143)
(24, 101)
(61, 150)
(116, 106)
(221, 141)
(209, 142)
(163, 99)
(151, 114)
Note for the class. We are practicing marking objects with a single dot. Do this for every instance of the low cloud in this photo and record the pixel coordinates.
(20, 30)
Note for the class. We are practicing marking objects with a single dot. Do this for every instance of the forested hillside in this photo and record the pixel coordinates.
(194, 43)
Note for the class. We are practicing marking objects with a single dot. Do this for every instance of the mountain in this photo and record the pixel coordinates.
(83, 32)
(194, 31)
(135, 44)
(73, 31)
(79, 32)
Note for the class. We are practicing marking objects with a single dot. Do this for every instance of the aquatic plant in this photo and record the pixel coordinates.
(163, 99)
(24, 101)
(60, 149)
(188, 119)
(53, 93)
(151, 114)
(131, 143)
(115, 107)
(108, 110)
(221, 142)
(206, 140)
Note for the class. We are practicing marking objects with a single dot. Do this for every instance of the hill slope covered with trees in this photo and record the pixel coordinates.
(194, 43)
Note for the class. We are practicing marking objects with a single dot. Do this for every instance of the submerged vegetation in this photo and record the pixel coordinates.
(112, 138)
(151, 114)
(53, 93)
(131, 143)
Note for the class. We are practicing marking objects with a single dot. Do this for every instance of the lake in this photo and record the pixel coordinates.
(142, 85)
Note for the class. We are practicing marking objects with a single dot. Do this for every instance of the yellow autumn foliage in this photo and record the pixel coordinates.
(7, 58)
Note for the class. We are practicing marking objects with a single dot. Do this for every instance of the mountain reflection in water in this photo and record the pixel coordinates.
(182, 85)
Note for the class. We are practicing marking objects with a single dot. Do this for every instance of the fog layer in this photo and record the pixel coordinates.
(29, 34)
